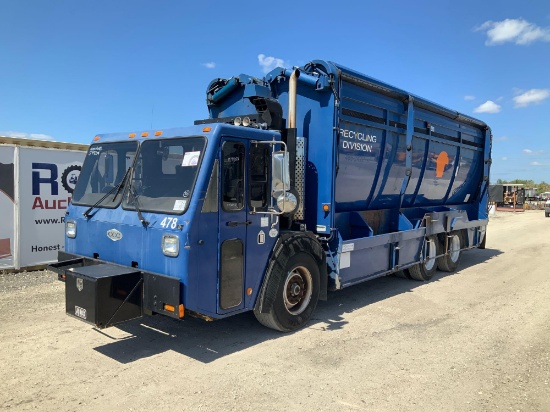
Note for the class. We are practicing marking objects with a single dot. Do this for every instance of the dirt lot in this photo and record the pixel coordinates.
(476, 340)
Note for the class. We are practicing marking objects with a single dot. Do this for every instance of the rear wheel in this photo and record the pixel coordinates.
(403, 274)
(484, 241)
(426, 269)
(449, 262)
(291, 296)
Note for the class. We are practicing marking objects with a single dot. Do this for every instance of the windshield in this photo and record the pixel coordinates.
(103, 169)
(164, 175)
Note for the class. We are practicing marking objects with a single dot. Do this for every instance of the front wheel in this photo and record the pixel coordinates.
(291, 295)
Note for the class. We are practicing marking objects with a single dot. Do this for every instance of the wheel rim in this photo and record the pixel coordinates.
(431, 254)
(297, 291)
(454, 250)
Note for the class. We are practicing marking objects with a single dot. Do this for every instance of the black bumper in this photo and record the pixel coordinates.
(104, 294)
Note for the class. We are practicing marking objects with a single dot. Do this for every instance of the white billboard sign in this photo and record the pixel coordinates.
(7, 207)
(47, 178)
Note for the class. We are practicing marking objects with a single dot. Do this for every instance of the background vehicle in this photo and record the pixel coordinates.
(239, 212)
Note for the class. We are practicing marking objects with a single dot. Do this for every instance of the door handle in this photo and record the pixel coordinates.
(233, 223)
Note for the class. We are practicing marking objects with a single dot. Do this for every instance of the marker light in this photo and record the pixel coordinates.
(144, 134)
(246, 121)
(96, 138)
(206, 129)
(237, 121)
(158, 133)
(132, 135)
(170, 245)
(326, 208)
(70, 228)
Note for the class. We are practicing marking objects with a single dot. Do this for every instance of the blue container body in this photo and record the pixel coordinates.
(372, 147)
(382, 160)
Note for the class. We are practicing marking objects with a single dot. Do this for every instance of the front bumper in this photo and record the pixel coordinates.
(103, 293)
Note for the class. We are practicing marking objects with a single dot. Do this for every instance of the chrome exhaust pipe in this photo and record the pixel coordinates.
(292, 86)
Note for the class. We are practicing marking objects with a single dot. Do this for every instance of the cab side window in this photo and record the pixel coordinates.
(259, 177)
(233, 176)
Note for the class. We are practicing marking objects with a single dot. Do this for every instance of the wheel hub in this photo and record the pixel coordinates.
(297, 290)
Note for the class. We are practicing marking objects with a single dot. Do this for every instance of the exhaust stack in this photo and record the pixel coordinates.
(292, 86)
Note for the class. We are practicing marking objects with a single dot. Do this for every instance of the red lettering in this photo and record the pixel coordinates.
(50, 204)
(37, 203)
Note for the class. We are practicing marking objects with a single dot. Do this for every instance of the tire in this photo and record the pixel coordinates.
(546, 214)
(404, 274)
(425, 270)
(483, 242)
(292, 293)
(449, 262)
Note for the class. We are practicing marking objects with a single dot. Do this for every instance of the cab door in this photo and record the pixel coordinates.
(247, 233)
(233, 224)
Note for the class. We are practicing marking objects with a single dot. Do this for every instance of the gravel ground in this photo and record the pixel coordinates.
(475, 340)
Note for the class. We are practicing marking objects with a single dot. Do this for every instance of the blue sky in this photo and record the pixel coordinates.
(70, 69)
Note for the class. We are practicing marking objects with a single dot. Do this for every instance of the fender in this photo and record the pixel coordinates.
(288, 244)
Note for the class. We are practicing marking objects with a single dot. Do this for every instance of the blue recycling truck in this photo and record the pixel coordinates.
(307, 180)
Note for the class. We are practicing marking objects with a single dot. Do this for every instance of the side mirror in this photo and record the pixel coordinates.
(280, 181)
(287, 202)
(280, 184)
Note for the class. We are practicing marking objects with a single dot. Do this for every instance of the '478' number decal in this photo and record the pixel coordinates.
(169, 222)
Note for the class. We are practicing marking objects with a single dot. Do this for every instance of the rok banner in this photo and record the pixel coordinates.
(47, 179)
(7, 207)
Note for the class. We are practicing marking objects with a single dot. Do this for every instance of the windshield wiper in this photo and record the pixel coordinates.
(135, 202)
(116, 190)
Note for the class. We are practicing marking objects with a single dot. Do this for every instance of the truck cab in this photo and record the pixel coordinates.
(190, 209)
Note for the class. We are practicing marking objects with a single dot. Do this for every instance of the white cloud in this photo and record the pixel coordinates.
(488, 107)
(539, 164)
(532, 96)
(268, 63)
(518, 31)
(504, 158)
(530, 152)
(517, 90)
(209, 65)
(23, 135)
(469, 97)
(501, 139)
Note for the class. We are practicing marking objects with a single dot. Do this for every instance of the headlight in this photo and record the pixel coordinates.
(70, 228)
(170, 245)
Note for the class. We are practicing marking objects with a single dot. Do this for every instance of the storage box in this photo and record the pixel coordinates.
(104, 294)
